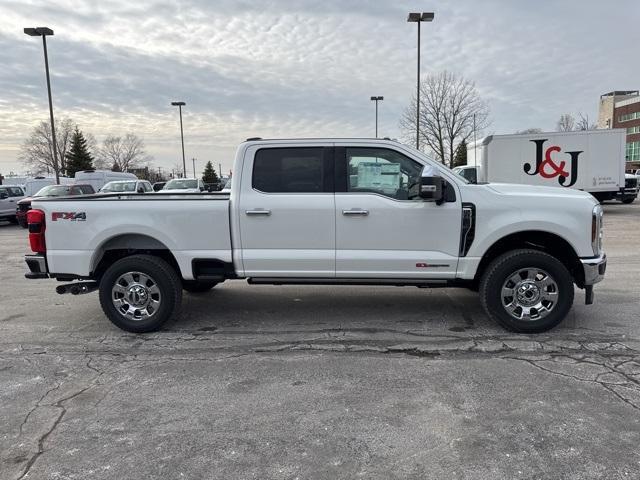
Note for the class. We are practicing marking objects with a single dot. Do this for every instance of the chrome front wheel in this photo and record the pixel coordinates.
(529, 294)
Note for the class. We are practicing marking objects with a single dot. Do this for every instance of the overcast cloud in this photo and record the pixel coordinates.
(299, 68)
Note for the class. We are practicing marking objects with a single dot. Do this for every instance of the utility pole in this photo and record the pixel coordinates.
(194, 167)
(43, 32)
(184, 163)
(377, 99)
(419, 18)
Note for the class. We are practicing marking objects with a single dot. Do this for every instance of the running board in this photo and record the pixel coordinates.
(397, 282)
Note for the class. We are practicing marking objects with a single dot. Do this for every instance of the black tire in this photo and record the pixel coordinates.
(517, 262)
(163, 279)
(193, 286)
(628, 200)
(13, 220)
(23, 223)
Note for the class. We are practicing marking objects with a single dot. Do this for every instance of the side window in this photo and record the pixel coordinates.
(291, 170)
(382, 171)
(147, 186)
(4, 190)
(15, 192)
(87, 189)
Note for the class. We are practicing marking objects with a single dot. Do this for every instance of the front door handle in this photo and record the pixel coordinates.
(355, 211)
(258, 211)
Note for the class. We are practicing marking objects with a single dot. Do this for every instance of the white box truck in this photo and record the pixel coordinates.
(592, 161)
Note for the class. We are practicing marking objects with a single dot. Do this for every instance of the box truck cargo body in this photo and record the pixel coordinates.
(592, 161)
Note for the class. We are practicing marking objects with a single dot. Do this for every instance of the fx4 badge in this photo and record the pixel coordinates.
(72, 216)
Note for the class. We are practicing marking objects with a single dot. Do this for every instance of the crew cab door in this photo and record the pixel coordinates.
(383, 230)
(287, 211)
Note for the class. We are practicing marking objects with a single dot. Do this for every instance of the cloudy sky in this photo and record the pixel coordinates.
(288, 68)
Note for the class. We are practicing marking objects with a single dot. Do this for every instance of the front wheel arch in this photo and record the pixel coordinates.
(546, 242)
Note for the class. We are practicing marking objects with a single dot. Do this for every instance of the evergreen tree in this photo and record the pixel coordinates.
(209, 175)
(78, 157)
(460, 158)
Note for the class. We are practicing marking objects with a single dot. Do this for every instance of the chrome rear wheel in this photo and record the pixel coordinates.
(136, 296)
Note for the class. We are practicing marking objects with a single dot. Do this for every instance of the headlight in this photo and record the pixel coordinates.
(596, 230)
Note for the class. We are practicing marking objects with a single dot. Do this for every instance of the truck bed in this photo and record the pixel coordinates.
(78, 228)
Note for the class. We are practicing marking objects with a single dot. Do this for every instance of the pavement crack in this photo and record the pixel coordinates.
(60, 404)
(606, 385)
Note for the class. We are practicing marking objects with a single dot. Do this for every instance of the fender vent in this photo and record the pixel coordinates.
(468, 230)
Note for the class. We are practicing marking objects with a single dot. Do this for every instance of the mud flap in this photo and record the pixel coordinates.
(588, 294)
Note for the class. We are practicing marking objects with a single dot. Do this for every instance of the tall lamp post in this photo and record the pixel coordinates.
(43, 32)
(377, 99)
(184, 162)
(194, 167)
(419, 18)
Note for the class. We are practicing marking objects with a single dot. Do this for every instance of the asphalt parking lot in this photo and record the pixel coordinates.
(320, 382)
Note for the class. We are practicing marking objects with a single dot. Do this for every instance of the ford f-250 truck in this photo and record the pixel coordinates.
(326, 212)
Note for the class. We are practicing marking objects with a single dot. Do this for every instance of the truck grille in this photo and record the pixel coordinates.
(630, 182)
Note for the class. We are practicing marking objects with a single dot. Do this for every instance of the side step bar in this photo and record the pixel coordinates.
(397, 282)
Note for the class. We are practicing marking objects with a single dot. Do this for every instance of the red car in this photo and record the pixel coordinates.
(24, 205)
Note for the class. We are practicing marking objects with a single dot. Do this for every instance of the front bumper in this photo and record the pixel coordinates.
(594, 269)
(37, 266)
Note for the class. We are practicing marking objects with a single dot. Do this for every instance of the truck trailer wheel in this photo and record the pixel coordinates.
(140, 293)
(193, 286)
(527, 291)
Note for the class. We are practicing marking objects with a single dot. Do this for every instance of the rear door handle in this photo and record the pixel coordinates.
(355, 211)
(258, 211)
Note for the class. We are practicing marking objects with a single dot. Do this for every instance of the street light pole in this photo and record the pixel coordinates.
(184, 162)
(377, 99)
(194, 167)
(43, 32)
(419, 18)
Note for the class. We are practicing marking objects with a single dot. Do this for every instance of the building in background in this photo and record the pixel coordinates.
(621, 109)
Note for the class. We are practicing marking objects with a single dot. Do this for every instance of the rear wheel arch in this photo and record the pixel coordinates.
(542, 241)
(126, 245)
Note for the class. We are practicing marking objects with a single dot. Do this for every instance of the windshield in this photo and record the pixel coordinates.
(53, 191)
(227, 186)
(119, 187)
(180, 183)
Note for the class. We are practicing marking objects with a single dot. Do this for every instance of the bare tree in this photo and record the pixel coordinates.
(36, 152)
(448, 107)
(124, 153)
(566, 123)
(529, 130)
(584, 124)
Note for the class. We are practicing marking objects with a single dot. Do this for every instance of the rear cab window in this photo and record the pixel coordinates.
(293, 170)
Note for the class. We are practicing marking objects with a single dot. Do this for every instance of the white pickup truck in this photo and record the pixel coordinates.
(326, 212)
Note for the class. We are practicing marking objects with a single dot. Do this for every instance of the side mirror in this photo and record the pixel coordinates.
(4, 195)
(431, 188)
(140, 189)
(202, 189)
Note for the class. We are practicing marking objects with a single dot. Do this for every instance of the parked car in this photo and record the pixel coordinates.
(33, 185)
(227, 187)
(98, 178)
(184, 185)
(10, 195)
(158, 186)
(327, 212)
(127, 186)
(50, 191)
